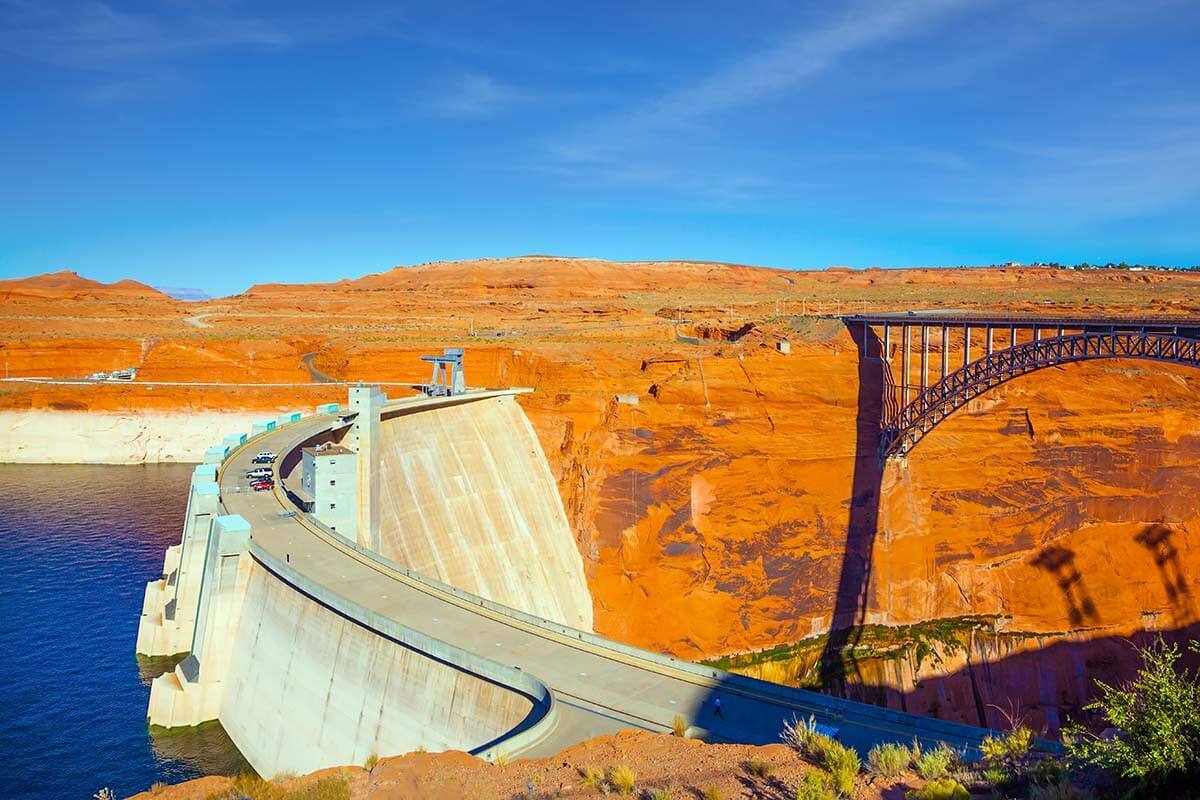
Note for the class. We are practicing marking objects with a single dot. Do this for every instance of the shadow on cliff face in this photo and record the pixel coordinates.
(1157, 539)
(1046, 686)
(850, 602)
(1060, 562)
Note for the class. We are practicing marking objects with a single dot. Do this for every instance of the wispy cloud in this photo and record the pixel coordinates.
(479, 95)
(96, 34)
(652, 128)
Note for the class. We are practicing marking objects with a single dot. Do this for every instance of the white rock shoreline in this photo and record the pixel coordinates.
(128, 437)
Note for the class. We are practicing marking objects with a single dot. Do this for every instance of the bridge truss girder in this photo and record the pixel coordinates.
(912, 408)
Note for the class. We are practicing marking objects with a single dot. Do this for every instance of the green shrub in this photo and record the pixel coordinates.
(843, 765)
(889, 760)
(660, 794)
(622, 778)
(1009, 747)
(996, 775)
(1045, 771)
(933, 764)
(815, 785)
(371, 761)
(712, 793)
(1062, 789)
(1157, 719)
(758, 768)
(941, 789)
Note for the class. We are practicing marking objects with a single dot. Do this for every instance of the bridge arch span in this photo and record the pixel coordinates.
(934, 404)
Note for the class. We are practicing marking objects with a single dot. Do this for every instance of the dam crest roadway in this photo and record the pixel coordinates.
(315, 649)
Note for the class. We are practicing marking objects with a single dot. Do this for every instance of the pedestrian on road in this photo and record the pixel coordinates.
(717, 707)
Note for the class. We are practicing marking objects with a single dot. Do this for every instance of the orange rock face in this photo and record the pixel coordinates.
(709, 478)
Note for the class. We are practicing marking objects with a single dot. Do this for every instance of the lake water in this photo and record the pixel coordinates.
(77, 546)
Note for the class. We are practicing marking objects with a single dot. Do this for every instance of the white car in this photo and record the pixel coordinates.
(258, 473)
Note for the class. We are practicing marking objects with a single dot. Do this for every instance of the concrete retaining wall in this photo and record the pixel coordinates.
(310, 687)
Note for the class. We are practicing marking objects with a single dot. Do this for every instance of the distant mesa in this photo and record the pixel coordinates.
(184, 294)
(67, 282)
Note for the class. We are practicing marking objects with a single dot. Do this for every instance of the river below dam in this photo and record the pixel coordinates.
(77, 546)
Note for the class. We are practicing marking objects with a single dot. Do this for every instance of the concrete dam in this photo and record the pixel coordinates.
(410, 581)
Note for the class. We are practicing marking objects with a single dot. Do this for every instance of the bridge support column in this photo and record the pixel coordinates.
(907, 337)
(966, 345)
(169, 608)
(945, 351)
(924, 357)
(989, 346)
(192, 693)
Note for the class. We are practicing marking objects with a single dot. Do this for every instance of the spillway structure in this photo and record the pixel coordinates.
(411, 582)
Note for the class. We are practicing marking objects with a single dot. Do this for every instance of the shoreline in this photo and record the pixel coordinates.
(116, 437)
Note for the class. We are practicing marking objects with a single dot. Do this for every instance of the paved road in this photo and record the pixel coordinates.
(599, 686)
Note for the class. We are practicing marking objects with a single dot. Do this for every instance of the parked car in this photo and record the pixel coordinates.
(265, 457)
(258, 473)
(262, 486)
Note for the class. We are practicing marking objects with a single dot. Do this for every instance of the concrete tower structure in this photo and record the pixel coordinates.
(363, 438)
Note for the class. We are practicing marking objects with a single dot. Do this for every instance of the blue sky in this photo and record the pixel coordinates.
(222, 143)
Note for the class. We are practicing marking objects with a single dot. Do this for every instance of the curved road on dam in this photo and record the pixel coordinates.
(598, 685)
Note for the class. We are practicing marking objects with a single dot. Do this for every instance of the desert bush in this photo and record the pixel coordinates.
(712, 793)
(803, 737)
(815, 785)
(941, 789)
(591, 777)
(157, 787)
(888, 760)
(501, 759)
(843, 765)
(371, 761)
(1045, 771)
(934, 764)
(1157, 721)
(252, 787)
(622, 778)
(679, 726)
(1061, 789)
(331, 788)
(660, 794)
(1009, 747)
(758, 768)
(996, 775)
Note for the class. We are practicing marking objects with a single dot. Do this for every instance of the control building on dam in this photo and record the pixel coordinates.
(411, 582)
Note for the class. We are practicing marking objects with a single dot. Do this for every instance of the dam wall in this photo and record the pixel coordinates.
(301, 678)
(310, 686)
(467, 497)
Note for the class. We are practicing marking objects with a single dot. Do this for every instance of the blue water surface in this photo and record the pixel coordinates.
(77, 546)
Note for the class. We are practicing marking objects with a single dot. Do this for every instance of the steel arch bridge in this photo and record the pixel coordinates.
(913, 406)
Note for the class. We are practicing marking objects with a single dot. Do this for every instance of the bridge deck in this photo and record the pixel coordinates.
(956, 317)
(599, 686)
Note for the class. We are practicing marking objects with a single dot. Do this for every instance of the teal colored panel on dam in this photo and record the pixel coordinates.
(207, 488)
(234, 533)
(234, 440)
(288, 418)
(215, 454)
(204, 473)
(328, 408)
